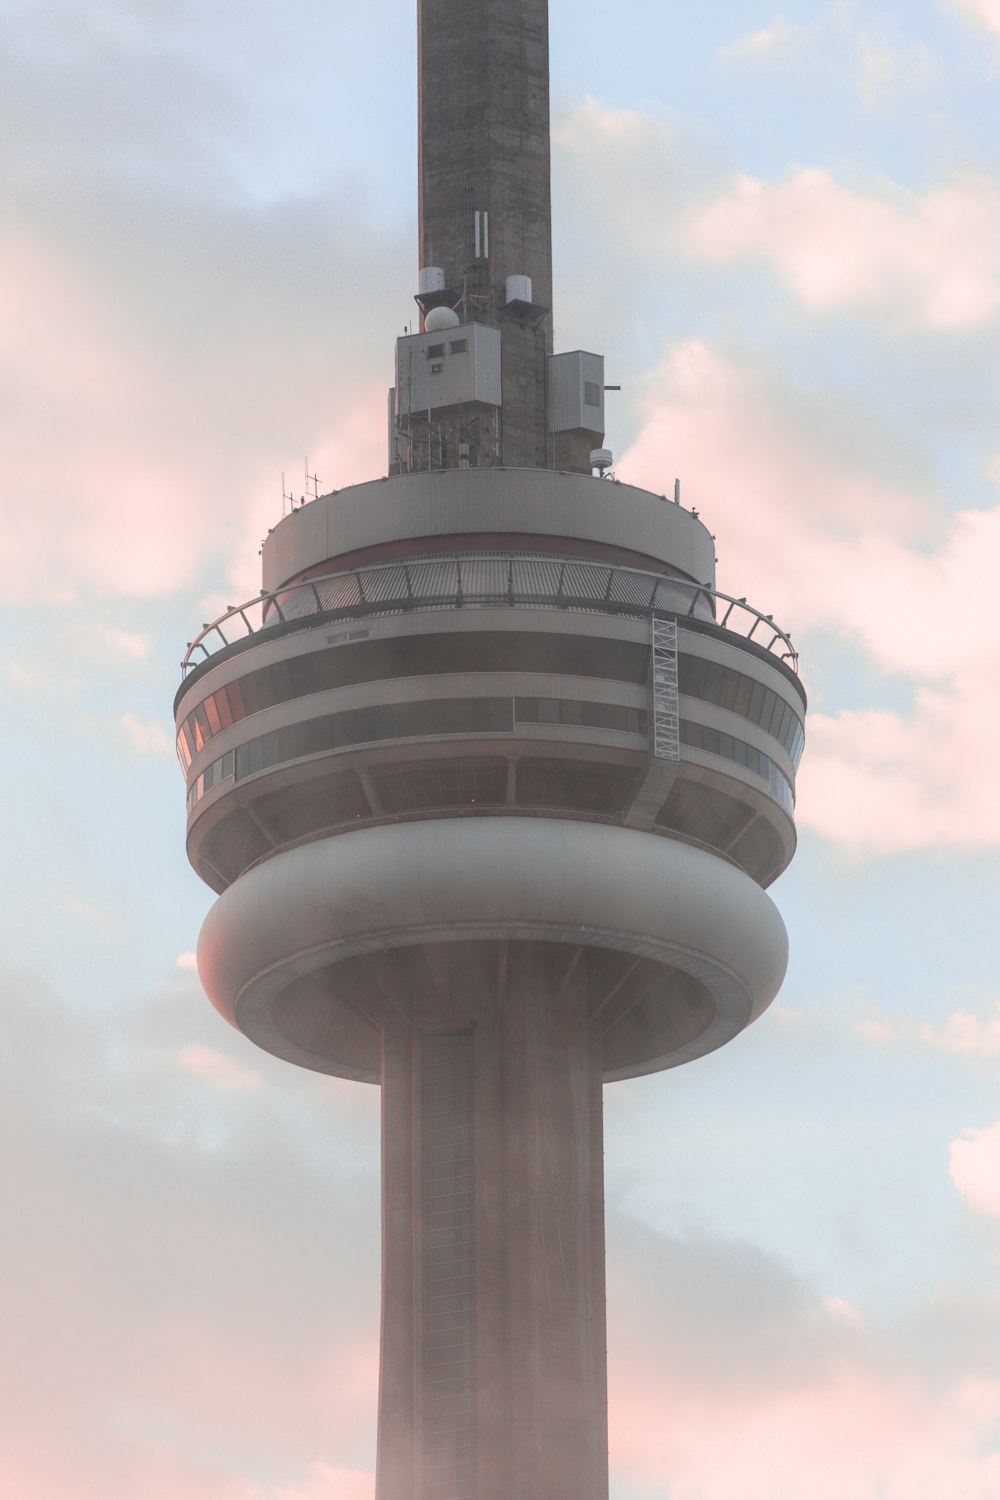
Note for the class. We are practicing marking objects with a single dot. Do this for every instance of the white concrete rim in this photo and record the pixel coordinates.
(452, 880)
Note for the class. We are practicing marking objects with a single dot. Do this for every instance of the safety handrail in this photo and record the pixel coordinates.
(504, 579)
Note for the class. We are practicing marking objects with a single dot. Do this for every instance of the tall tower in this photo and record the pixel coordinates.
(490, 780)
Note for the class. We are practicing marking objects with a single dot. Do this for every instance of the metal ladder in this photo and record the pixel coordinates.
(665, 736)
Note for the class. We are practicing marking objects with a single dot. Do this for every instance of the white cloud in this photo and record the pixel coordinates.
(775, 1392)
(765, 43)
(974, 1163)
(885, 70)
(159, 1301)
(862, 549)
(966, 1034)
(25, 678)
(881, 781)
(925, 260)
(327, 1483)
(156, 486)
(100, 917)
(983, 12)
(216, 1068)
(837, 47)
(177, 341)
(146, 736)
(112, 641)
(844, 1312)
(874, 1033)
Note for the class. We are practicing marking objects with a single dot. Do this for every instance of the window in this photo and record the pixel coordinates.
(698, 678)
(458, 346)
(434, 351)
(701, 737)
(436, 369)
(591, 393)
(569, 711)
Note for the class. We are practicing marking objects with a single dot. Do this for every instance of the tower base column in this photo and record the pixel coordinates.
(493, 1331)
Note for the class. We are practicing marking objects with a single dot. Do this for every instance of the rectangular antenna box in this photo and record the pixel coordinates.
(576, 392)
(448, 368)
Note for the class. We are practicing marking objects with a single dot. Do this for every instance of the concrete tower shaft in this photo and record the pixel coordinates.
(485, 196)
(490, 781)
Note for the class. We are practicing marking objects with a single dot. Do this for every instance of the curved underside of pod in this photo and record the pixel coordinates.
(679, 950)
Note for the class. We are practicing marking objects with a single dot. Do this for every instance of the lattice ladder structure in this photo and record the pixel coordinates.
(665, 740)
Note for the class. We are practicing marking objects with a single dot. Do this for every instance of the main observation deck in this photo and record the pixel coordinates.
(491, 645)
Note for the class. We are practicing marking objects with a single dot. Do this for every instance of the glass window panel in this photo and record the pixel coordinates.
(271, 749)
(693, 674)
(741, 702)
(248, 758)
(361, 727)
(782, 724)
(548, 711)
(281, 681)
(212, 714)
(767, 708)
(713, 681)
(730, 686)
(248, 687)
(222, 708)
(234, 695)
(263, 681)
(294, 741)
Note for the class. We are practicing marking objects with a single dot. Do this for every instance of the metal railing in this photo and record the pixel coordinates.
(486, 579)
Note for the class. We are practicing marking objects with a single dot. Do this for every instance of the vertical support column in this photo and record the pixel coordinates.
(494, 1140)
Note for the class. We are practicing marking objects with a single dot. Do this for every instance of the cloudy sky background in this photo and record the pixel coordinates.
(783, 229)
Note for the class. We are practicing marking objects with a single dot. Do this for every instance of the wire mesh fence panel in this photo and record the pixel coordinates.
(463, 580)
